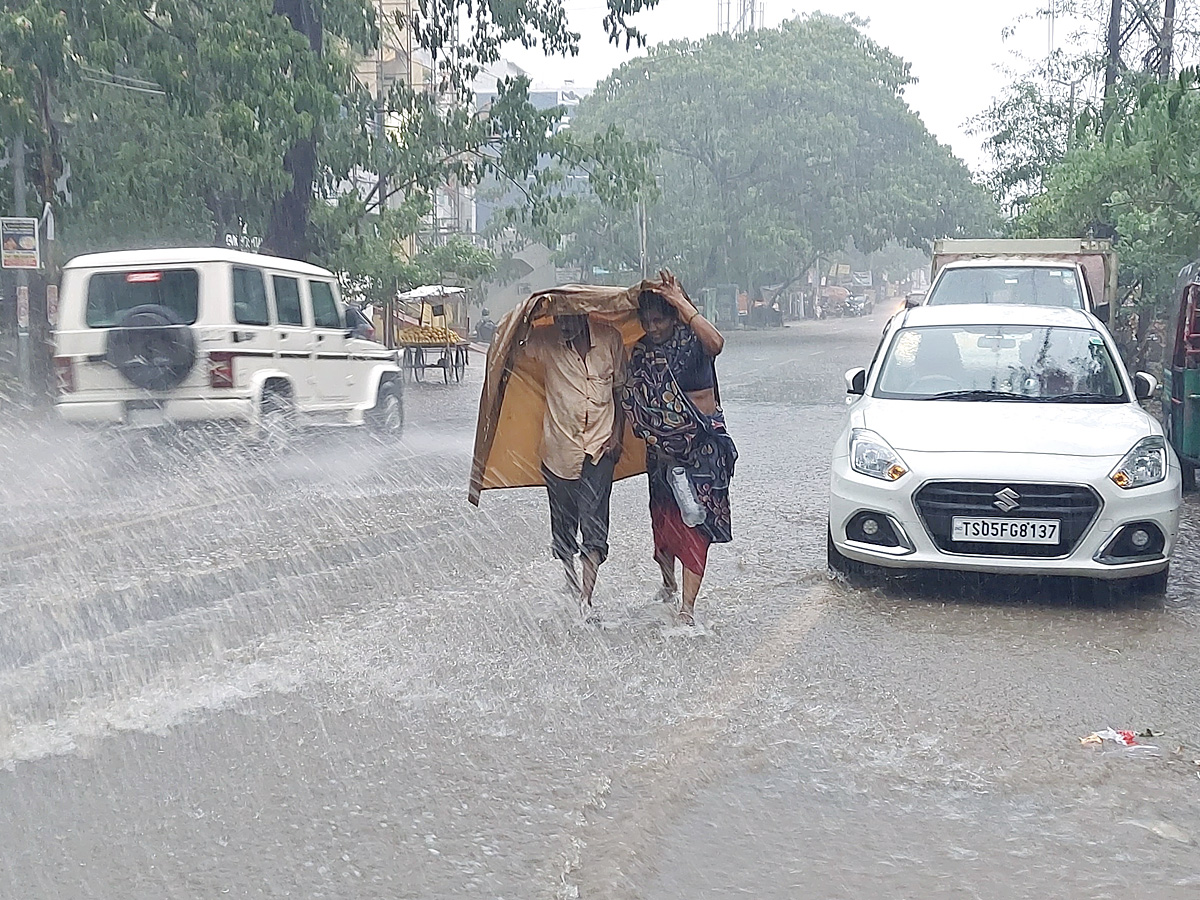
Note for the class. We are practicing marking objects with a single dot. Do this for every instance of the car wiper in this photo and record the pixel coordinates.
(1080, 397)
(976, 395)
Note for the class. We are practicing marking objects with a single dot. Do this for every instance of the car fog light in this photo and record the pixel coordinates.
(1140, 539)
(870, 527)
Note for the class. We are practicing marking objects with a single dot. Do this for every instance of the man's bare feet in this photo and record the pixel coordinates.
(573, 584)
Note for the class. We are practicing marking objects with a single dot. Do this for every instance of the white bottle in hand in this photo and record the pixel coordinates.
(690, 509)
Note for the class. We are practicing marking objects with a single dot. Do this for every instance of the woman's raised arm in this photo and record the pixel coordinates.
(706, 331)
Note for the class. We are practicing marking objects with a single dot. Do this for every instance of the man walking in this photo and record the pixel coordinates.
(581, 440)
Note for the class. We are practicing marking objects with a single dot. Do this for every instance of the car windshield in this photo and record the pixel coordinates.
(1000, 362)
(1023, 285)
(110, 295)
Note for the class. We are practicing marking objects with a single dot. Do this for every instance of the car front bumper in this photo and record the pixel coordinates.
(852, 493)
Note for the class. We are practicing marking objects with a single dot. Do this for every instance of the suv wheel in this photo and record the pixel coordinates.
(387, 415)
(276, 419)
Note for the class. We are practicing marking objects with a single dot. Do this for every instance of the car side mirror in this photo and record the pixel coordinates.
(1144, 386)
(1103, 312)
(856, 381)
(912, 302)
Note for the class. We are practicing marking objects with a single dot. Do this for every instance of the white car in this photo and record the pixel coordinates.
(159, 337)
(1003, 439)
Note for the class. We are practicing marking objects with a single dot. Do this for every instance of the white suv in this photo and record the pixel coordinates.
(154, 337)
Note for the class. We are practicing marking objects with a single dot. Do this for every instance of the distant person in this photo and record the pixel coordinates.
(582, 432)
(672, 401)
(485, 329)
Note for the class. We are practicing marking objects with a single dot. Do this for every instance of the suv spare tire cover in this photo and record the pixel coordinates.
(152, 348)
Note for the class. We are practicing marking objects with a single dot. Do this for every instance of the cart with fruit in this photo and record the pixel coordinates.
(433, 347)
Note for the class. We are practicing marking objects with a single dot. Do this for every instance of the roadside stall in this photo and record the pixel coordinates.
(513, 402)
(432, 343)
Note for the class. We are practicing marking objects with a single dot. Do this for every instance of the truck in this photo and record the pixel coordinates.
(1076, 272)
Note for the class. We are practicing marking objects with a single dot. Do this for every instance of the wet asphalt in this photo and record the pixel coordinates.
(322, 674)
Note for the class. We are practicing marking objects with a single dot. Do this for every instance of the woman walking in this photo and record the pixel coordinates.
(672, 400)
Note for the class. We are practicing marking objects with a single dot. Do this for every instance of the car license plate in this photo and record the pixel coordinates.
(145, 418)
(1005, 531)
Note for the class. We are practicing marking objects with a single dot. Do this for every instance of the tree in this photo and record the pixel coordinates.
(775, 147)
(460, 36)
(1026, 131)
(273, 81)
(1140, 181)
(1115, 163)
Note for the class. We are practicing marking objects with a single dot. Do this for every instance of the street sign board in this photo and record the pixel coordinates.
(19, 248)
(22, 306)
(52, 304)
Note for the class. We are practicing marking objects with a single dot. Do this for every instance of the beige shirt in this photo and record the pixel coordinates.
(580, 412)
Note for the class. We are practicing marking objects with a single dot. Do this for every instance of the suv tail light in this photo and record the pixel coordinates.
(220, 369)
(64, 369)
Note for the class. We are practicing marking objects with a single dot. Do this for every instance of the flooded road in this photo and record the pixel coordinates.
(325, 675)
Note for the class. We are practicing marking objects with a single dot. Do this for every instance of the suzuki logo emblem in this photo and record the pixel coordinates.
(1007, 500)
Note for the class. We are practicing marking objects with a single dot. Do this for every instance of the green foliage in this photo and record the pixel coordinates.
(1026, 131)
(261, 111)
(1141, 180)
(774, 148)
(141, 146)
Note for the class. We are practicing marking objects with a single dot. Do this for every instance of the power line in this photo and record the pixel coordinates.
(124, 82)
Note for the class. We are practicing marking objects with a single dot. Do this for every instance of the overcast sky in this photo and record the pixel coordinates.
(956, 48)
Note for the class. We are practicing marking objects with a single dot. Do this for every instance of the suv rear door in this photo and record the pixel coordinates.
(111, 294)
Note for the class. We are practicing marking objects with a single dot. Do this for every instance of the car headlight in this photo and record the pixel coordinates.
(872, 455)
(1145, 464)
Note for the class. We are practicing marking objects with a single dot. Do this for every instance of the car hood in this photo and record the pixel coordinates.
(999, 426)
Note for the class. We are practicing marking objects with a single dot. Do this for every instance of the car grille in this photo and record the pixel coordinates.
(1076, 506)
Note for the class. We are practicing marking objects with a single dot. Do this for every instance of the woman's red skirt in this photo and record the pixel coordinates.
(672, 537)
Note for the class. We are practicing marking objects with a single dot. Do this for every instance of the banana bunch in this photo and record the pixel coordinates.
(429, 335)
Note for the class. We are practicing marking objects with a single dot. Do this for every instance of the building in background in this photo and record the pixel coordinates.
(532, 267)
(399, 59)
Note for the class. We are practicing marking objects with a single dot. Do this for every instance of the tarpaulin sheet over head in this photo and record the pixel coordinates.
(509, 432)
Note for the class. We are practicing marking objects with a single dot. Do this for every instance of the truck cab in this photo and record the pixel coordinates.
(1012, 281)
(1071, 273)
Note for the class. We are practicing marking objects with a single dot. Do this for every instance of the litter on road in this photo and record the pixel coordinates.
(1128, 738)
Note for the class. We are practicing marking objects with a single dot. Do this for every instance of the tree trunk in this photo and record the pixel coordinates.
(1166, 43)
(287, 231)
(1112, 57)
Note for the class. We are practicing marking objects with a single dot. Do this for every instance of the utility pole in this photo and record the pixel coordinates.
(1166, 41)
(1112, 57)
(750, 16)
(380, 124)
(389, 304)
(23, 361)
(642, 234)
